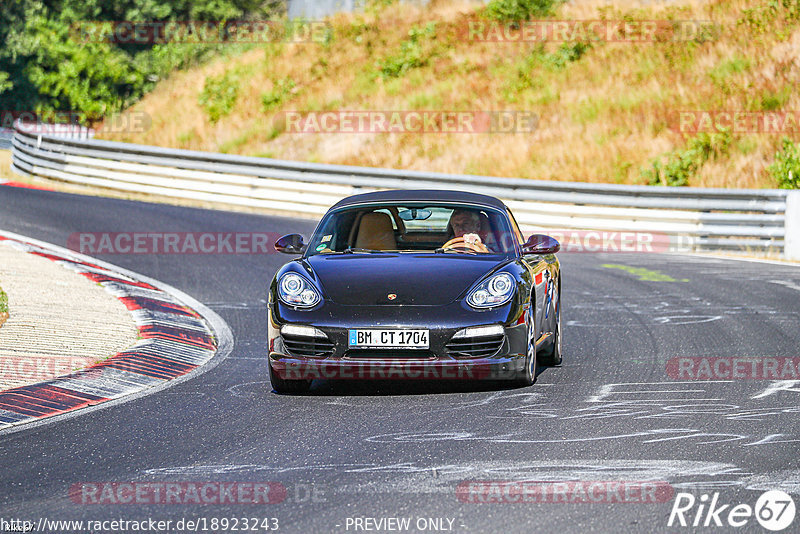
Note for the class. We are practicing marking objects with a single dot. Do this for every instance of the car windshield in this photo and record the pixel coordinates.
(414, 227)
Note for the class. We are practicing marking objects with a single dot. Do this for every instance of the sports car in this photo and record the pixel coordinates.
(414, 284)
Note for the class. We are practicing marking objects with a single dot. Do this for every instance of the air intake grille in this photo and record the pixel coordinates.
(391, 354)
(307, 347)
(475, 347)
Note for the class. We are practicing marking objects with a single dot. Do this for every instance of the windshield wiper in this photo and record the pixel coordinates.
(352, 250)
(453, 251)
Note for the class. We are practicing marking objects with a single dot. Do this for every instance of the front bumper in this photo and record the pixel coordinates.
(288, 368)
(439, 362)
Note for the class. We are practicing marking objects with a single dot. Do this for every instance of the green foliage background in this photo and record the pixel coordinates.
(785, 169)
(3, 301)
(517, 10)
(46, 67)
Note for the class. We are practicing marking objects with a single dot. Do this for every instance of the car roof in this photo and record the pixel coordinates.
(420, 195)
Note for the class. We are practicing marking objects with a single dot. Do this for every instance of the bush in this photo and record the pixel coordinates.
(512, 10)
(677, 167)
(280, 92)
(565, 54)
(219, 95)
(759, 18)
(722, 72)
(538, 58)
(786, 167)
(412, 54)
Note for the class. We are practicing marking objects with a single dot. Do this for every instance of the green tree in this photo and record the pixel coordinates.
(46, 65)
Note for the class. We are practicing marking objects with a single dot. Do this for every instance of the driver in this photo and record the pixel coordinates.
(465, 222)
(466, 225)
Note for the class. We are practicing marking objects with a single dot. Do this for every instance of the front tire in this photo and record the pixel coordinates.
(553, 355)
(529, 374)
(281, 385)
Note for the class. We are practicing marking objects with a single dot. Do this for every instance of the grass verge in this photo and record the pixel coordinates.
(3, 307)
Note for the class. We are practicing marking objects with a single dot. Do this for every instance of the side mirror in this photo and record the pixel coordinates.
(541, 244)
(291, 244)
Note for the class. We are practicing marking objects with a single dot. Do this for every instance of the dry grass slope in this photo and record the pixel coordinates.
(604, 116)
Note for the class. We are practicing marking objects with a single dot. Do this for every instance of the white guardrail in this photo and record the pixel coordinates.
(6, 136)
(758, 220)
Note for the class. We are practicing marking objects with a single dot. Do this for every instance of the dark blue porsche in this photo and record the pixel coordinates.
(415, 285)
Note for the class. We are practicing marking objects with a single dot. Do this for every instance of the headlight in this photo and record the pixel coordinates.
(495, 291)
(295, 290)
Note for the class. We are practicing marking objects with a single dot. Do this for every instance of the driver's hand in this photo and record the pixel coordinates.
(472, 239)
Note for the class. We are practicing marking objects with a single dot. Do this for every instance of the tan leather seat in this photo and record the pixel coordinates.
(375, 232)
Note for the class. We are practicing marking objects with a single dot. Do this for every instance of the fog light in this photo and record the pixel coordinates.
(301, 331)
(480, 331)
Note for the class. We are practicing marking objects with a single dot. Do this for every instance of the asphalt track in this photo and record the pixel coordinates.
(611, 412)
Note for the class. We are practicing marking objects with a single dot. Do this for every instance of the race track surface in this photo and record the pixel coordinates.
(611, 412)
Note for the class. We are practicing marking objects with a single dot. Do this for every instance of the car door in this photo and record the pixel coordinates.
(540, 274)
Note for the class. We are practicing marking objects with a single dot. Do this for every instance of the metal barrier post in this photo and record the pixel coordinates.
(792, 222)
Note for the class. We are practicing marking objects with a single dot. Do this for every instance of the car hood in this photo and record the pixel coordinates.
(415, 279)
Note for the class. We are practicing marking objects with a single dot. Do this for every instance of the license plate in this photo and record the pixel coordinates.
(388, 339)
